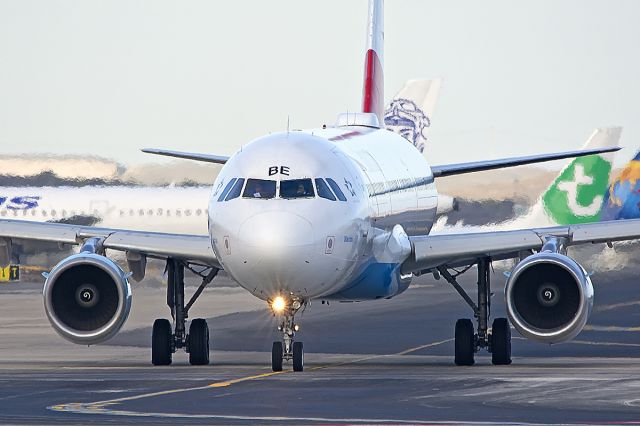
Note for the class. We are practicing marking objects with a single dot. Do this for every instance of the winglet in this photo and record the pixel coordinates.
(207, 158)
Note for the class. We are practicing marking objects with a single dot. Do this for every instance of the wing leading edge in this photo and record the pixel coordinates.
(207, 158)
(429, 252)
(479, 166)
(190, 248)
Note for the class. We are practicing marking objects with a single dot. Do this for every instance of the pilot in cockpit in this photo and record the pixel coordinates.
(301, 191)
(257, 191)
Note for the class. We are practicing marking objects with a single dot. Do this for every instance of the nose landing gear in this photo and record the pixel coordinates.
(287, 349)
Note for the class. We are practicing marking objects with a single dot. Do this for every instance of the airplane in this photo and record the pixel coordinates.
(622, 198)
(184, 209)
(335, 213)
(575, 196)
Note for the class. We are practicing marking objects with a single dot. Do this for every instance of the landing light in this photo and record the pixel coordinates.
(278, 304)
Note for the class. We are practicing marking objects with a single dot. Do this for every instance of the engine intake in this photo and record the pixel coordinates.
(87, 298)
(549, 297)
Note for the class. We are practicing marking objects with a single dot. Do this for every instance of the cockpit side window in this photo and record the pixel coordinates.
(259, 188)
(336, 189)
(323, 190)
(226, 189)
(296, 188)
(236, 190)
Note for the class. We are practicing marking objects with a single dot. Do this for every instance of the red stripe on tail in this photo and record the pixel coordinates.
(372, 91)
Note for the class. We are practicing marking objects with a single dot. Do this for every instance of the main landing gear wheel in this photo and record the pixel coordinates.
(161, 342)
(166, 340)
(276, 356)
(298, 356)
(464, 342)
(501, 342)
(198, 342)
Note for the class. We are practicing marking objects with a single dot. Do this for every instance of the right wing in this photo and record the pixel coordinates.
(432, 251)
(207, 158)
(190, 248)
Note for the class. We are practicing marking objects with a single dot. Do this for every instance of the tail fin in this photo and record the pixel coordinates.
(409, 112)
(622, 198)
(373, 89)
(577, 193)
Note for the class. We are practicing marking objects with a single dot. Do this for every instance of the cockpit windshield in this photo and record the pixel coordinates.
(259, 188)
(296, 188)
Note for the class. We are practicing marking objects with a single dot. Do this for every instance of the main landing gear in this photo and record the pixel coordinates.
(165, 341)
(287, 349)
(469, 341)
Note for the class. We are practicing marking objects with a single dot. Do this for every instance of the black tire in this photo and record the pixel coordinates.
(465, 342)
(199, 342)
(298, 356)
(500, 342)
(161, 342)
(276, 356)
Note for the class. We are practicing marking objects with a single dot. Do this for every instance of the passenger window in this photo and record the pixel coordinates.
(336, 189)
(323, 190)
(259, 188)
(226, 189)
(236, 190)
(297, 188)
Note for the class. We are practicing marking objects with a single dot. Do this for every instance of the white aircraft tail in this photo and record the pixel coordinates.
(373, 88)
(409, 112)
(576, 195)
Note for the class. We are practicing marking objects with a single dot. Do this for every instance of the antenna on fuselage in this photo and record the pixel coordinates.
(288, 119)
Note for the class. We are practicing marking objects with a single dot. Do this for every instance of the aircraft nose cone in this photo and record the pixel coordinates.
(276, 253)
(275, 231)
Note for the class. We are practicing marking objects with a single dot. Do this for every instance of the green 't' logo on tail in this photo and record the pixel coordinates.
(576, 195)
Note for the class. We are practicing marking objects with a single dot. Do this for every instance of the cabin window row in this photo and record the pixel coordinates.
(123, 213)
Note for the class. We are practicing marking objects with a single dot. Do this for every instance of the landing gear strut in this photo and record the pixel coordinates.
(468, 341)
(287, 349)
(166, 342)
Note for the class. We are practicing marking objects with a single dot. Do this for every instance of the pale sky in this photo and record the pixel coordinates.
(109, 77)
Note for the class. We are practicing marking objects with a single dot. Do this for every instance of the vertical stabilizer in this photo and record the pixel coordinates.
(373, 89)
(577, 194)
(622, 199)
(410, 111)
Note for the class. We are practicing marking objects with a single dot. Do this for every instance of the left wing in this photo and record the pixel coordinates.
(190, 248)
(479, 166)
(432, 251)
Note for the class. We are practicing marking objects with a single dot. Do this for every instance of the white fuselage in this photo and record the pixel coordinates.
(313, 247)
(166, 209)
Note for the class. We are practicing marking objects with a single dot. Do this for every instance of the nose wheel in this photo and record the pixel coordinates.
(287, 349)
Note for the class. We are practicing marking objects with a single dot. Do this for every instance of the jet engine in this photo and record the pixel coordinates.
(549, 297)
(87, 298)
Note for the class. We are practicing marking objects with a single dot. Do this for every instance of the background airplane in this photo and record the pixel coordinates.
(575, 196)
(622, 197)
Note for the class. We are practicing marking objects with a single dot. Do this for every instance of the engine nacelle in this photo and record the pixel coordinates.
(549, 297)
(87, 298)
